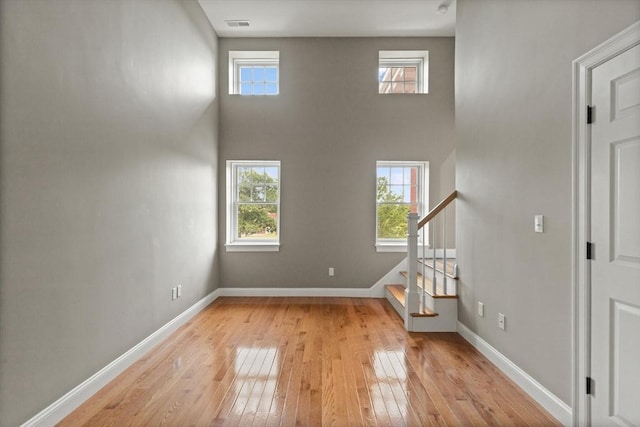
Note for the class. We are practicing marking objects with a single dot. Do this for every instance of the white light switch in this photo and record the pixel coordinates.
(538, 223)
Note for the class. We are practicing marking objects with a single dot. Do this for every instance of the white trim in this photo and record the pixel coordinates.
(236, 57)
(420, 57)
(580, 269)
(296, 292)
(387, 245)
(248, 245)
(252, 247)
(537, 391)
(391, 247)
(62, 407)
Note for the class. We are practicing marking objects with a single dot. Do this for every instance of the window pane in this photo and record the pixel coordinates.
(383, 74)
(244, 193)
(271, 174)
(271, 89)
(383, 171)
(258, 74)
(409, 88)
(407, 175)
(384, 88)
(396, 192)
(246, 89)
(397, 176)
(245, 74)
(383, 190)
(392, 221)
(397, 74)
(257, 175)
(410, 194)
(257, 221)
(258, 89)
(271, 74)
(272, 193)
(257, 195)
(397, 88)
(410, 74)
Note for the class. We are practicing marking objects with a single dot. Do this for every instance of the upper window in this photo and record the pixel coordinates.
(403, 71)
(254, 72)
(253, 205)
(400, 189)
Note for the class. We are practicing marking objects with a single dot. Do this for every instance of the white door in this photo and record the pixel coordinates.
(615, 232)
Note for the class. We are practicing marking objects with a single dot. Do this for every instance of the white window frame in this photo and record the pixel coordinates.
(403, 58)
(400, 245)
(233, 244)
(238, 58)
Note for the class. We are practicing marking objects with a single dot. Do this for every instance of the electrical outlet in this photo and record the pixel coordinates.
(331, 271)
(174, 293)
(480, 309)
(501, 321)
(179, 291)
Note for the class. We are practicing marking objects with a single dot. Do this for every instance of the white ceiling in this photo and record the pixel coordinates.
(332, 18)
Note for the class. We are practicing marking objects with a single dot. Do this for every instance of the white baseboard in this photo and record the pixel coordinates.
(537, 391)
(296, 292)
(62, 407)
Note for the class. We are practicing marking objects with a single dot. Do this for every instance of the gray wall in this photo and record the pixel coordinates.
(108, 151)
(328, 126)
(513, 126)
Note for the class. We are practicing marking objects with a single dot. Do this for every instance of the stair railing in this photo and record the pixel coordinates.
(415, 298)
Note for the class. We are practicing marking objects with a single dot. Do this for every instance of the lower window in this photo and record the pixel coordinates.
(400, 189)
(253, 205)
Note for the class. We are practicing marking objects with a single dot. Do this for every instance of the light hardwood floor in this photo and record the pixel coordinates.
(309, 362)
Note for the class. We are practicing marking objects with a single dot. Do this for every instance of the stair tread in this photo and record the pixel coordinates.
(439, 291)
(425, 313)
(451, 263)
(397, 291)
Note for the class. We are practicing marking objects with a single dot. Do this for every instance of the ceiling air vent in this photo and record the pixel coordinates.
(237, 23)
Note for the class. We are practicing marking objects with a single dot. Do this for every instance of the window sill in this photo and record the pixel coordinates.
(253, 247)
(391, 247)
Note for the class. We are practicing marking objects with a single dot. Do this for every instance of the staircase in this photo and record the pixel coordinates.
(426, 295)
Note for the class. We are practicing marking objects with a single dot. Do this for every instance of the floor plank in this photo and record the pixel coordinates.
(309, 361)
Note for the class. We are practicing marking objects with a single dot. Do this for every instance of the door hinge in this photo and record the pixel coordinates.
(590, 114)
(588, 385)
(590, 248)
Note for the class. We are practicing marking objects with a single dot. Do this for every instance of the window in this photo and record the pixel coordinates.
(403, 71)
(400, 189)
(253, 205)
(254, 73)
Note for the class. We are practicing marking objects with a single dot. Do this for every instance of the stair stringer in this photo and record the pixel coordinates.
(399, 308)
(393, 276)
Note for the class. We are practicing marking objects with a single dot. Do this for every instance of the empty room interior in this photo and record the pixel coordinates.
(212, 212)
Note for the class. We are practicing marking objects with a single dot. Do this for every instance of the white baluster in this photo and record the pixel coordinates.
(444, 248)
(433, 243)
(412, 296)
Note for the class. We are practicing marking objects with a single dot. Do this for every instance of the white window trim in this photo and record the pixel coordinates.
(399, 245)
(248, 57)
(248, 245)
(404, 58)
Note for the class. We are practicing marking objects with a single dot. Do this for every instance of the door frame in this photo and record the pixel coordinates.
(581, 221)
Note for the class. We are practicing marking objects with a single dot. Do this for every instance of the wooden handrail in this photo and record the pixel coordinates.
(436, 210)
